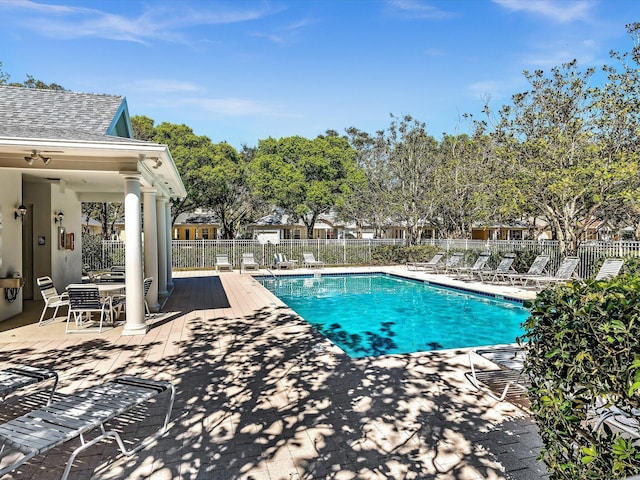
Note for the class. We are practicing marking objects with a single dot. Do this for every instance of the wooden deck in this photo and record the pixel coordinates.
(261, 395)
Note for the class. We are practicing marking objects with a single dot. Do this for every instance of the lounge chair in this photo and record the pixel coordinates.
(248, 262)
(510, 360)
(480, 264)
(435, 260)
(610, 268)
(75, 415)
(52, 299)
(15, 378)
(450, 263)
(538, 268)
(565, 272)
(222, 263)
(85, 299)
(280, 261)
(308, 260)
(504, 268)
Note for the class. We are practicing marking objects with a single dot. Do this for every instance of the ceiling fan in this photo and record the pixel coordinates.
(42, 155)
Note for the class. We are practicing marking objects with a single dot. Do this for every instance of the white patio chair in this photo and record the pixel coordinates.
(248, 262)
(52, 299)
(308, 260)
(85, 299)
(222, 263)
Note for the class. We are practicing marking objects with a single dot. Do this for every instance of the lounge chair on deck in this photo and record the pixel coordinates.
(450, 264)
(75, 415)
(222, 263)
(15, 378)
(565, 272)
(52, 299)
(480, 264)
(609, 269)
(437, 258)
(248, 262)
(308, 260)
(504, 268)
(510, 360)
(280, 260)
(538, 268)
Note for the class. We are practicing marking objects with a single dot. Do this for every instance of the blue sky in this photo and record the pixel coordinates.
(241, 71)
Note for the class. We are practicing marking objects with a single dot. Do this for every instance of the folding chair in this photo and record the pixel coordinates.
(52, 299)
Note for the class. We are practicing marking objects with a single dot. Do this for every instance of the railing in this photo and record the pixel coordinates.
(197, 254)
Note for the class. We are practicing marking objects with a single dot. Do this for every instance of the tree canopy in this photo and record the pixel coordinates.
(305, 177)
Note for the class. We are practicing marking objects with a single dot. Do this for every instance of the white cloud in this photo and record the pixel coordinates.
(163, 86)
(159, 21)
(416, 9)
(560, 12)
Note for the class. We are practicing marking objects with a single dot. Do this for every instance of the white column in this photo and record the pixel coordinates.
(151, 246)
(135, 324)
(162, 246)
(169, 249)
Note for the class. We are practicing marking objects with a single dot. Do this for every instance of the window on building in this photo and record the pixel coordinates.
(205, 233)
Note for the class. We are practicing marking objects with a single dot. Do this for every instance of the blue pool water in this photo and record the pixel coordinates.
(369, 315)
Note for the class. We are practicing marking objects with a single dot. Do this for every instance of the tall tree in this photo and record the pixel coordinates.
(305, 177)
(214, 174)
(551, 140)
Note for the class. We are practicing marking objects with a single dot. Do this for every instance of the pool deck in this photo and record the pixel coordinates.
(261, 395)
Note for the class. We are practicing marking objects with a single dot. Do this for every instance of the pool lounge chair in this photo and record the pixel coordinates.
(504, 268)
(435, 260)
(308, 260)
(20, 376)
(480, 264)
(565, 272)
(222, 263)
(280, 260)
(510, 361)
(449, 264)
(248, 262)
(538, 268)
(610, 268)
(75, 415)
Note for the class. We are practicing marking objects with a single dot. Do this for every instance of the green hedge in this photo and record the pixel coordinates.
(583, 345)
(397, 254)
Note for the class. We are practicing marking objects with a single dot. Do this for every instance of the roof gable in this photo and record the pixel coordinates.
(32, 112)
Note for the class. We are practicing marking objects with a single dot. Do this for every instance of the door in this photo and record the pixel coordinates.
(27, 254)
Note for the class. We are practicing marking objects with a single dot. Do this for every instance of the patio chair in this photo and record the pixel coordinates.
(510, 361)
(480, 264)
(505, 266)
(146, 285)
(17, 377)
(450, 263)
(75, 415)
(85, 299)
(538, 268)
(51, 297)
(248, 262)
(308, 260)
(565, 272)
(610, 268)
(435, 260)
(280, 260)
(222, 263)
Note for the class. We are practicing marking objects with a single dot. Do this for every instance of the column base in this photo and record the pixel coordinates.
(130, 330)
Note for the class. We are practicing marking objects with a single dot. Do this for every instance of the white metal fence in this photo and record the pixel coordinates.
(201, 254)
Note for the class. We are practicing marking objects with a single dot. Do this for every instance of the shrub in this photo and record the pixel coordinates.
(390, 254)
(583, 347)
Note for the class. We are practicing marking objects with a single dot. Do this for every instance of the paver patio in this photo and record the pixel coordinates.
(261, 395)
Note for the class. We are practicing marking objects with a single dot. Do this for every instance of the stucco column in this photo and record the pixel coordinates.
(162, 246)
(150, 228)
(169, 249)
(135, 324)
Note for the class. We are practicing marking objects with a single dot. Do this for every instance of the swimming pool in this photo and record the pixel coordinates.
(378, 314)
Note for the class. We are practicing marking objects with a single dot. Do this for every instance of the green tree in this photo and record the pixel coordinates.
(552, 145)
(305, 177)
(30, 82)
(213, 174)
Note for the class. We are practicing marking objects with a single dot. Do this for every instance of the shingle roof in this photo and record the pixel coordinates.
(35, 113)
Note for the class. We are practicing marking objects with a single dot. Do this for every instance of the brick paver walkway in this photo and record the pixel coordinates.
(261, 395)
